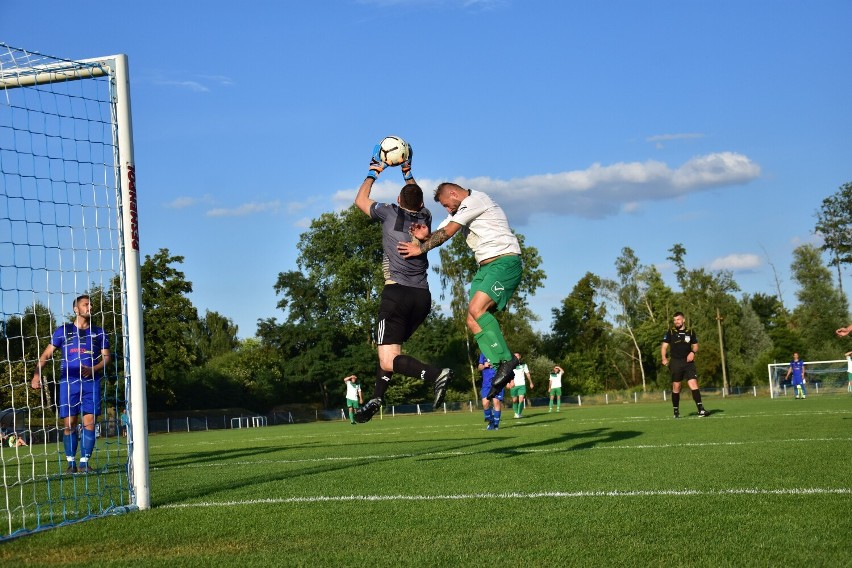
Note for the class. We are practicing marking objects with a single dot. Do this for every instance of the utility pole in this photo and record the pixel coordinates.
(719, 319)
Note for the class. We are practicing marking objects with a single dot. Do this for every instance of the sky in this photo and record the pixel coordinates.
(720, 125)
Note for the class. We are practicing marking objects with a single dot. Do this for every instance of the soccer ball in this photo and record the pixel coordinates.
(393, 150)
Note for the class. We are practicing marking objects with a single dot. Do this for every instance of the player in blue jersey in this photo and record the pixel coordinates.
(406, 300)
(85, 353)
(797, 369)
(492, 415)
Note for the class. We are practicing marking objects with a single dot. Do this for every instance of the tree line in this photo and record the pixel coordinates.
(605, 333)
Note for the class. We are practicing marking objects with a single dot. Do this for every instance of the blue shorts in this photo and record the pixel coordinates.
(486, 386)
(76, 396)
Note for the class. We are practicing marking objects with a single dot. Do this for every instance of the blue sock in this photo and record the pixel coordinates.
(88, 445)
(496, 419)
(70, 443)
(488, 413)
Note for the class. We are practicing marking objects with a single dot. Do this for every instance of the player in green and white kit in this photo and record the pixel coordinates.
(555, 388)
(849, 370)
(519, 391)
(354, 398)
(496, 249)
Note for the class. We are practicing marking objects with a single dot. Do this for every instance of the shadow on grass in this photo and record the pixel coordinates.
(198, 490)
(573, 441)
(204, 486)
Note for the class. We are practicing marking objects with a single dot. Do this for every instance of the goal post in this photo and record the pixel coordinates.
(68, 227)
(823, 376)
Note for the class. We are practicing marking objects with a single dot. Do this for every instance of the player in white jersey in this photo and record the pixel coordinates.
(849, 370)
(496, 249)
(521, 375)
(354, 398)
(554, 388)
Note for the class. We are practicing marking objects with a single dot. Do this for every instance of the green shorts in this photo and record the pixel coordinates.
(351, 403)
(556, 392)
(499, 279)
(519, 391)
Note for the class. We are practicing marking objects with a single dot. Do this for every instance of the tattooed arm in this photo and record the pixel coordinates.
(436, 239)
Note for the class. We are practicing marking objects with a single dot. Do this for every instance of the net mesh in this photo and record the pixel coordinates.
(59, 238)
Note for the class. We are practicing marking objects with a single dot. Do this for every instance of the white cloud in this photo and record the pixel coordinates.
(196, 83)
(182, 202)
(736, 262)
(246, 209)
(190, 85)
(658, 139)
(600, 191)
(383, 190)
(186, 201)
(596, 192)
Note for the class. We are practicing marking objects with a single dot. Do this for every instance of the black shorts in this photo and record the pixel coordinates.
(681, 369)
(401, 311)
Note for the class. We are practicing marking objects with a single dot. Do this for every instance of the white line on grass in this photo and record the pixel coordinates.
(534, 495)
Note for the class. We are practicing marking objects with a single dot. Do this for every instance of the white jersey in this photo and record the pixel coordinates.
(485, 227)
(556, 380)
(849, 364)
(352, 390)
(521, 374)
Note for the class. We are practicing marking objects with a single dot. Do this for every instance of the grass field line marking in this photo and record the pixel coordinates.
(518, 495)
(507, 450)
(577, 420)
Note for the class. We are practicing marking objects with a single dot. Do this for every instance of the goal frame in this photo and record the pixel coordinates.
(772, 366)
(117, 68)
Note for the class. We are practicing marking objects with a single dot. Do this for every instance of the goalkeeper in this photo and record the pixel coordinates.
(85, 353)
(406, 300)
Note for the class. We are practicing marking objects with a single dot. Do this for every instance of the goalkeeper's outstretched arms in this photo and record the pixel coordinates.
(406, 166)
(362, 199)
(844, 331)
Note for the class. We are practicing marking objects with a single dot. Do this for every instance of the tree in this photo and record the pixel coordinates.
(330, 305)
(627, 295)
(579, 336)
(340, 257)
(169, 319)
(834, 223)
(214, 335)
(22, 339)
(820, 307)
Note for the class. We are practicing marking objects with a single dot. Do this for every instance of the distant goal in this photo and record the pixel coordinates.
(820, 377)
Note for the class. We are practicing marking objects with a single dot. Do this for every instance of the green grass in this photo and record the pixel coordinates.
(759, 483)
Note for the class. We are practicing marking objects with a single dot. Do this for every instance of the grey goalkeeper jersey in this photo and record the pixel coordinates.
(396, 222)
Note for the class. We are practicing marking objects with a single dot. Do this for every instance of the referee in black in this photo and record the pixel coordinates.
(684, 346)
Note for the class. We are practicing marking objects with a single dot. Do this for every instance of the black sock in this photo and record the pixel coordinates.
(696, 396)
(382, 381)
(676, 400)
(411, 367)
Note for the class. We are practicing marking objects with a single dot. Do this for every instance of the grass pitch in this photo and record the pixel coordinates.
(758, 483)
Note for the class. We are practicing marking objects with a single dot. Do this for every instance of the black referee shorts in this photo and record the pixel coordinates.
(682, 370)
(401, 311)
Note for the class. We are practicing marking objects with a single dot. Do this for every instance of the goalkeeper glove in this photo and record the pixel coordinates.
(406, 165)
(376, 163)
